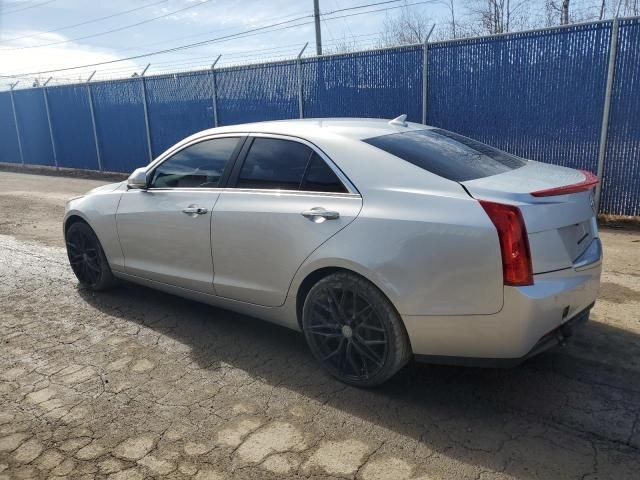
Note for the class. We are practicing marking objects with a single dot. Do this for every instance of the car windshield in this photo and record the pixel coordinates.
(447, 154)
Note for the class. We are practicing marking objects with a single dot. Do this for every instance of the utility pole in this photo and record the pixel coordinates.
(316, 17)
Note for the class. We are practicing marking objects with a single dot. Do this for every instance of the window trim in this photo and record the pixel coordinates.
(170, 153)
(239, 163)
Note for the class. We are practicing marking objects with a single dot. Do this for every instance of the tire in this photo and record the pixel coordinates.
(354, 331)
(87, 258)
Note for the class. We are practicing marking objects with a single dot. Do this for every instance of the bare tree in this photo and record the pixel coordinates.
(564, 13)
(557, 9)
(344, 45)
(409, 27)
(629, 8)
(452, 11)
(487, 16)
(603, 6)
(497, 16)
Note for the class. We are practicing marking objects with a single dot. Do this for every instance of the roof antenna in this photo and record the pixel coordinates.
(401, 120)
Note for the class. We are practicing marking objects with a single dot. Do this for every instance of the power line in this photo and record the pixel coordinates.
(26, 8)
(205, 61)
(180, 53)
(151, 44)
(66, 27)
(332, 12)
(237, 35)
(280, 51)
(187, 36)
(346, 24)
(291, 50)
(191, 66)
(10, 5)
(246, 33)
(106, 32)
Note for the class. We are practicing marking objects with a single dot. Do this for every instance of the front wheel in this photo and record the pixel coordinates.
(87, 258)
(353, 330)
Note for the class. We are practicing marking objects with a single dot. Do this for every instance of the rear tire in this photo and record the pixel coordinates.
(87, 258)
(354, 331)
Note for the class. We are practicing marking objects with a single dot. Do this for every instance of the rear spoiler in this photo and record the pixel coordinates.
(588, 183)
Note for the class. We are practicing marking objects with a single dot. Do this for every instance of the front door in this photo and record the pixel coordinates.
(287, 201)
(165, 230)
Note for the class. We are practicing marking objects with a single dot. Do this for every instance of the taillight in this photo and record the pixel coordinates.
(514, 243)
(590, 181)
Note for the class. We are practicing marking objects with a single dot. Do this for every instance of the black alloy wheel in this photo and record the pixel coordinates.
(353, 330)
(87, 258)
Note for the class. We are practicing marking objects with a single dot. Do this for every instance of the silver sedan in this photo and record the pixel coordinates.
(381, 240)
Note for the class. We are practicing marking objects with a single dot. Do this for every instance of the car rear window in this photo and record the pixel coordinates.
(447, 154)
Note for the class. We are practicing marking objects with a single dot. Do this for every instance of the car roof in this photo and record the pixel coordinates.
(354, 128)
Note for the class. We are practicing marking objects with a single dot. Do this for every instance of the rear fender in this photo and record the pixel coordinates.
(423, 265)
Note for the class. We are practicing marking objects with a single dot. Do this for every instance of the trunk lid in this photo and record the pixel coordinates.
(560, 226)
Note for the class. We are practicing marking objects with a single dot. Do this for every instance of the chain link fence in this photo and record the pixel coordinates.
(568, 96)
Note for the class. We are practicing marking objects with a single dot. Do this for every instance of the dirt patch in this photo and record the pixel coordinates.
(135, 383)
(63, 172)
(32, 205)
(619, 222)
(614, 292)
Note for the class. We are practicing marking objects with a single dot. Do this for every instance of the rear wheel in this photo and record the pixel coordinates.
(87, 258)
(354, 331)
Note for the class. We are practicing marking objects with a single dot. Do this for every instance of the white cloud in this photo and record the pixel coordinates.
(15, 60)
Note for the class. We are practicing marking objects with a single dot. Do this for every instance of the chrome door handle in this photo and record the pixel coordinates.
(194, 210)
(319, 214)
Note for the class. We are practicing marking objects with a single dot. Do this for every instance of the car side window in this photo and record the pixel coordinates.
(320, 177)
(274, 163)
(197, 166)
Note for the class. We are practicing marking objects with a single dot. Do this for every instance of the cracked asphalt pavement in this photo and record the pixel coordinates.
(134, 383)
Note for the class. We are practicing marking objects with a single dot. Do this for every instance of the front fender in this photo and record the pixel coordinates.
(99, 211)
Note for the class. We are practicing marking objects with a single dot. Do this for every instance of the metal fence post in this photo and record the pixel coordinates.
(425, 74)
(299, 74)
(214, 96)
(613, 48)
(15, 121)
(93, 121)
(146, 112)
(49, 121)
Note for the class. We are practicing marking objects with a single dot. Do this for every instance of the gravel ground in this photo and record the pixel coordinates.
(135, 383)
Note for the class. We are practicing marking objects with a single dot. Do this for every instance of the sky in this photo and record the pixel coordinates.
(26, 47)
(40, 35)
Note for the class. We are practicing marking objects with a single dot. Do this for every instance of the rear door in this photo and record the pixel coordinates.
(287, 198)
(165, 230)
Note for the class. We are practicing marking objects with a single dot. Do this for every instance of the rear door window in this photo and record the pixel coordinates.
(320, 178)
(273, 163)
(447, 154)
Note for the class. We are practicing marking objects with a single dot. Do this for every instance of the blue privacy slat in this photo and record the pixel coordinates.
(9, 150)
(382, 84)
(179, 105)
(539, 94)
(262, 92)
(34, 127)
(621, 186)
(72, 128)
(120, 123)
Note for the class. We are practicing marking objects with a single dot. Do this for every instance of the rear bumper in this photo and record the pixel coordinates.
(529, 322)
(558, 336)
